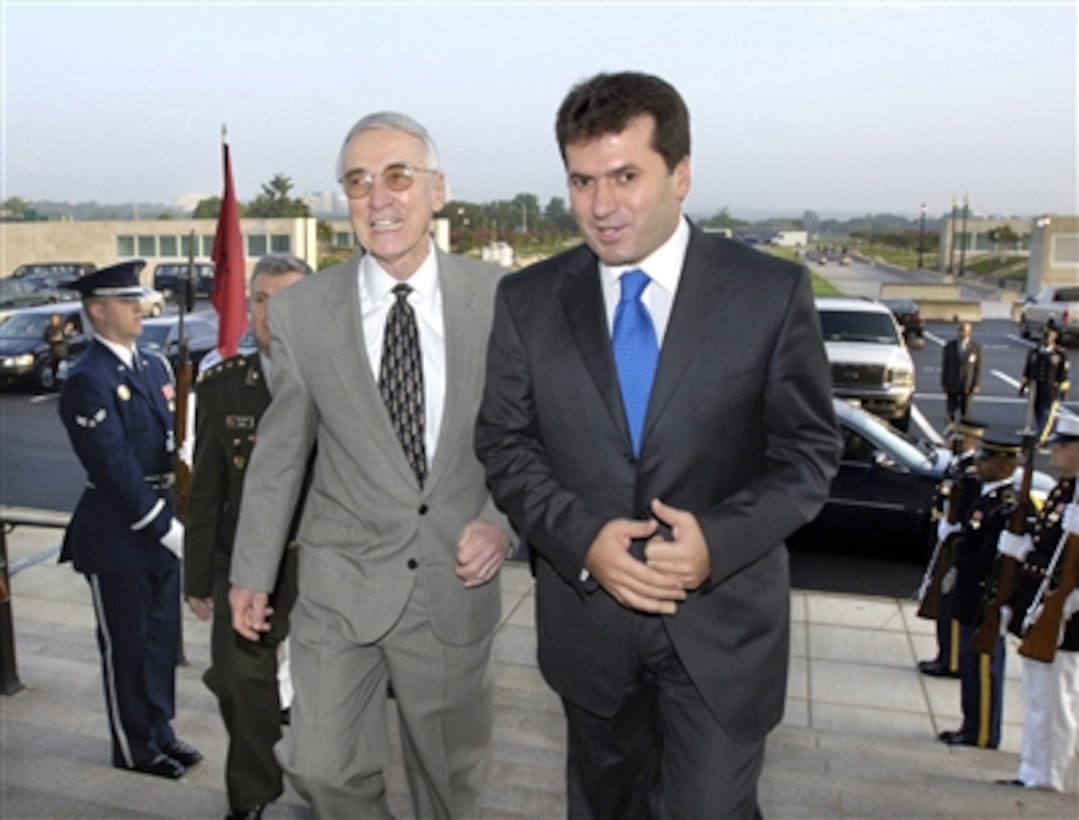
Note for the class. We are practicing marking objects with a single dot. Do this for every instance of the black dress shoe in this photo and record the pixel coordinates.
(162, 766)
(1011, 782)
(936, 669)
(955, 739)
(286, 717)
(245, 814)
(187, 755)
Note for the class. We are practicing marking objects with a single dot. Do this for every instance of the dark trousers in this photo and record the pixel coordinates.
(243, 676)
(981, 686)
(663, 756)
(947, 635)
(138, 633)
(958, 405)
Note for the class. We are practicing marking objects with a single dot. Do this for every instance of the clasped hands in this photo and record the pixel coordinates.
(672, 567)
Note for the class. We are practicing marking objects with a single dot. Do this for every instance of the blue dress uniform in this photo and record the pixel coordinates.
(962, 478)
(1046, 368)
(981, 675)
(119, 418)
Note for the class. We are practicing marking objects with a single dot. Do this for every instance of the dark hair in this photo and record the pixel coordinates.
(606, 103)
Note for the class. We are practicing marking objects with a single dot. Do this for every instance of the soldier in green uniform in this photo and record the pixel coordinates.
(232, 396)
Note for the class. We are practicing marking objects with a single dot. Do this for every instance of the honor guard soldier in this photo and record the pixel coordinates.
(982, 675)
(1046, 369)
(1047, 753)
(960, 485)
(243, 675)
(117, 406)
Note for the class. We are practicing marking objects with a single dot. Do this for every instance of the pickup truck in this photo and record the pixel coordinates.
(1058, 304)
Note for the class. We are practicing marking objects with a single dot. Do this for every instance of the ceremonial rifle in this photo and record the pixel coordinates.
(1002, 590)
(1042, 634)
(943, 556)
(183, 385)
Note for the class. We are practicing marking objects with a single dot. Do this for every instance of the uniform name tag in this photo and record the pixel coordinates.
(240, 422)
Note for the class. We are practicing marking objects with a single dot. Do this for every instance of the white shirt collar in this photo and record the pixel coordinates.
(990, 486)
(124, 354)
(379, 284)
(663, 265)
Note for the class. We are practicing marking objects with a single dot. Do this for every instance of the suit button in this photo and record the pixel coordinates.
(412, 563)
(423, 509)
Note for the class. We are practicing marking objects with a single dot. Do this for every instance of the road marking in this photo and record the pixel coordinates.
(44, 397)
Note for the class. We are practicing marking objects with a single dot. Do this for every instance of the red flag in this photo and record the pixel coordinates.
(230, 271)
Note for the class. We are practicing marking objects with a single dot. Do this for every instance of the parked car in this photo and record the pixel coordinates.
(152, 302)
(168, 275)
(1053, 305)
(25, 356)
(62, 271)
(162, 335)
(870, 361)
(19, 293)
(882, 495)
(909, 316)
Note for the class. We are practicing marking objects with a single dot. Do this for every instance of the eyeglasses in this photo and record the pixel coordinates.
(397, 177)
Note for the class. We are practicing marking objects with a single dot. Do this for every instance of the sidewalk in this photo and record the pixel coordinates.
(858, 739)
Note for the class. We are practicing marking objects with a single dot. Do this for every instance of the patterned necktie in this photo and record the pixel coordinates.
(400, 380)
(635, 352)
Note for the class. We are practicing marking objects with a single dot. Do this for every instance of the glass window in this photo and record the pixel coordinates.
(281, 243)
(1065, 250)
(207, 245)
(167, 245)
(256, 245)
(125, 246)
(342, 239)
(185, 245)
(147, 246)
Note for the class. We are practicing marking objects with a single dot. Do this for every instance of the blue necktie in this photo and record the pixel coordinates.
(635, 352)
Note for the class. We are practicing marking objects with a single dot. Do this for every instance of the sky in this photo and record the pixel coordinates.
(841, 108)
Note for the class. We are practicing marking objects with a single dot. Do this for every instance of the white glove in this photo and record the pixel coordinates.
(944, 528)
(1071, 605)
(947, 583)
(1014, 546)
(173, 540)
(1005, 619)
(1071, 518)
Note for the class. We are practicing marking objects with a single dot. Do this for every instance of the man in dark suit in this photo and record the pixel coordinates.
(232, 397)
(960, 371)
(1046, 368)
(117, 406)
(657, 499)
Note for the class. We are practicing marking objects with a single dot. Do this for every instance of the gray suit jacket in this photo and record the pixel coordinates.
(368, 532)
(740, 431)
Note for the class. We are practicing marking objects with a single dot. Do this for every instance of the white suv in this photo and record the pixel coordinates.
(870, 361)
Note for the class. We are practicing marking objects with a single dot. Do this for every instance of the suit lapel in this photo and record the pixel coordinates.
(582, 300)
(345, 333)
(464, 343)
(701, 290)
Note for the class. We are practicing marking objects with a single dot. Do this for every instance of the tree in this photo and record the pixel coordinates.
(274, 201)
(324, 232)
(15, 205)
(723, 219)
(209, 208)
(1002, 234)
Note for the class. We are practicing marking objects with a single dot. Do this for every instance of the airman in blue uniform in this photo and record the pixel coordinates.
(124, 537)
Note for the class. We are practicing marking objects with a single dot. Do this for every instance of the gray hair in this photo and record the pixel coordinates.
(389, 119)
(278, 263)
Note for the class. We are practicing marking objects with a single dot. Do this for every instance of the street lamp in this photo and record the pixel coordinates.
(963, 248)
(921, 238)
(951, 239)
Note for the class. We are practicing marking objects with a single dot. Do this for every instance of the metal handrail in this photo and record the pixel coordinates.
(9, 675)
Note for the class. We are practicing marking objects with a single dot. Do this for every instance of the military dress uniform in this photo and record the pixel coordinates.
(243, 675)
(119, 417)
(981, 675)
(1046, 370)
(962, 480)
(1049, 689)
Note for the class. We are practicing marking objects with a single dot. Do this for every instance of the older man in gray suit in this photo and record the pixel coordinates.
(379, 363)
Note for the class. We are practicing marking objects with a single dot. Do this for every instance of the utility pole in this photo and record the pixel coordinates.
(921, 238)
(951, 239)
(963, 249)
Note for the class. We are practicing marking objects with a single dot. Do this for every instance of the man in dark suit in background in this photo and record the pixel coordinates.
(960, 371)
(118, 406)
(655, 453)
